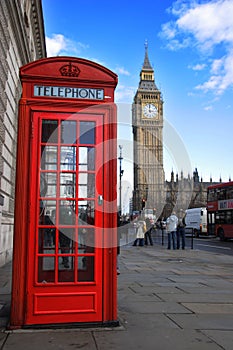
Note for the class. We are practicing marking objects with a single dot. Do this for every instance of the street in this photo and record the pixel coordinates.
(214, 245)
(205, 243)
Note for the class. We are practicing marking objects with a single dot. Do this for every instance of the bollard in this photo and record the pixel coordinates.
(192, 240)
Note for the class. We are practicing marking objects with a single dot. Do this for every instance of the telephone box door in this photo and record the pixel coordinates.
(66, 218)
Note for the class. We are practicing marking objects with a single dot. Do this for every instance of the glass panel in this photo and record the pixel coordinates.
(67, 213)
(47, 208)
(67, 185)
(86, 240)
(85, 268)
(86, 186)
(46, 271)
(86, 212)
(48, 184)
(66, 269)
(87, 133)
(49, 131)
(68, 158)
(48, 158)
(66, 240)
(86, 158)
(46, 241)
(68, 131)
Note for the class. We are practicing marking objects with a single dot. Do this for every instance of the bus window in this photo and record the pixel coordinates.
(228, 217)
(212, 195)
(221, 194)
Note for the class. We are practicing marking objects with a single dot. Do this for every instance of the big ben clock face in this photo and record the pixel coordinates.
(150, 110)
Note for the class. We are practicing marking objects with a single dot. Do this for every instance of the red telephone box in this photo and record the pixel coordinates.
(64, 262)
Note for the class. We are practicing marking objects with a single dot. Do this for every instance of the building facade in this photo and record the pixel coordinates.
(147, 123)
(184, 193)
(22, 40)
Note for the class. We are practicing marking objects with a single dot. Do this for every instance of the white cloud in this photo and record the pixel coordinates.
(58, 44)
(206, 27)
(198, 67)
(122, 70)
(124, 93)
(208, 108)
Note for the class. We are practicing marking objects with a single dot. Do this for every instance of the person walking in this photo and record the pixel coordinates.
(140, 232)
(148, 232)
(181, 230)
(171, 225)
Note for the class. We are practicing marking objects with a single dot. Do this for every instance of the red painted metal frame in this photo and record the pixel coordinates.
(48, 72)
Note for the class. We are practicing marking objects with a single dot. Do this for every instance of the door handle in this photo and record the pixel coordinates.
(100, 199)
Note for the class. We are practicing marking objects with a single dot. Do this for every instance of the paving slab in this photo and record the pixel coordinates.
(223, 338)
(159, 339)
(203, 321)
(209, 308)
(182, 297)
(3, 337)
(154, 307)
(62, 340)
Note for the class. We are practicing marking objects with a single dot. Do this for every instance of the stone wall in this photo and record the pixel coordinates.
(21, 41)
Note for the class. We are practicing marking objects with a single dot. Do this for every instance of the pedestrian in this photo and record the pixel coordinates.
(171, 225)
(148, 232)
(181, 230)
(140, 232)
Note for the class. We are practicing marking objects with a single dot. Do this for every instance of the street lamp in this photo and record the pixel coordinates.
(120, 174)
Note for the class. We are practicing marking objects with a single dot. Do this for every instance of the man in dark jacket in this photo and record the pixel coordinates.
(181, 230)
(148, 232)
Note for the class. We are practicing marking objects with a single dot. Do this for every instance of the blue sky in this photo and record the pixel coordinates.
(190, 46)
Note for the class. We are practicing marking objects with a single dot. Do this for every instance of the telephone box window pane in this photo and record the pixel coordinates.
(46, 271)
(68, 132)
(46, 241)
(49, 131)
(67, 185)
(48, 184)
(67, 213)
(85, 268)
(66, 269)
(86, 158)
(86, 240)
(86, 212)
(68, 158)
(86, 186)
(66, 240)
(48, 158)
(87, 133)
(47, 208)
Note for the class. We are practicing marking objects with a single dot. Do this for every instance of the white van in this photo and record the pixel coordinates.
(196, 220)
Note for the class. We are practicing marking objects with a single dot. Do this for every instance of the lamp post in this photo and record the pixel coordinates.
(120, 175)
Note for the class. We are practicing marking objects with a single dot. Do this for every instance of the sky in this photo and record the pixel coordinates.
(190, 46)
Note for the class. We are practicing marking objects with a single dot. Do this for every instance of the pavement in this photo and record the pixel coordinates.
(167, 299)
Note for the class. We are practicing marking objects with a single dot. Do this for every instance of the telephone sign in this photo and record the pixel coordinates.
(68, 92)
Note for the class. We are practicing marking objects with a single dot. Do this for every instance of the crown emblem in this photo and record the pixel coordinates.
(69, 70)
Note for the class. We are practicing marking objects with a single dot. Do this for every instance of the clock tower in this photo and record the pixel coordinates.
(147, 123)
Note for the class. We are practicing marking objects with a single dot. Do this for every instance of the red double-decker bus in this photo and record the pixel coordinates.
(220, 210)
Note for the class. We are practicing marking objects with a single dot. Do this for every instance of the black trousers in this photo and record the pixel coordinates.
(148, 236)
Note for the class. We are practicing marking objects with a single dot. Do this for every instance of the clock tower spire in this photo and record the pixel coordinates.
(147, 122)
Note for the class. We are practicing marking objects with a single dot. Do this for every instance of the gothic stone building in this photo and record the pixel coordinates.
(22, 40)
(147, 123)
(184, 193)
(150, 188)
